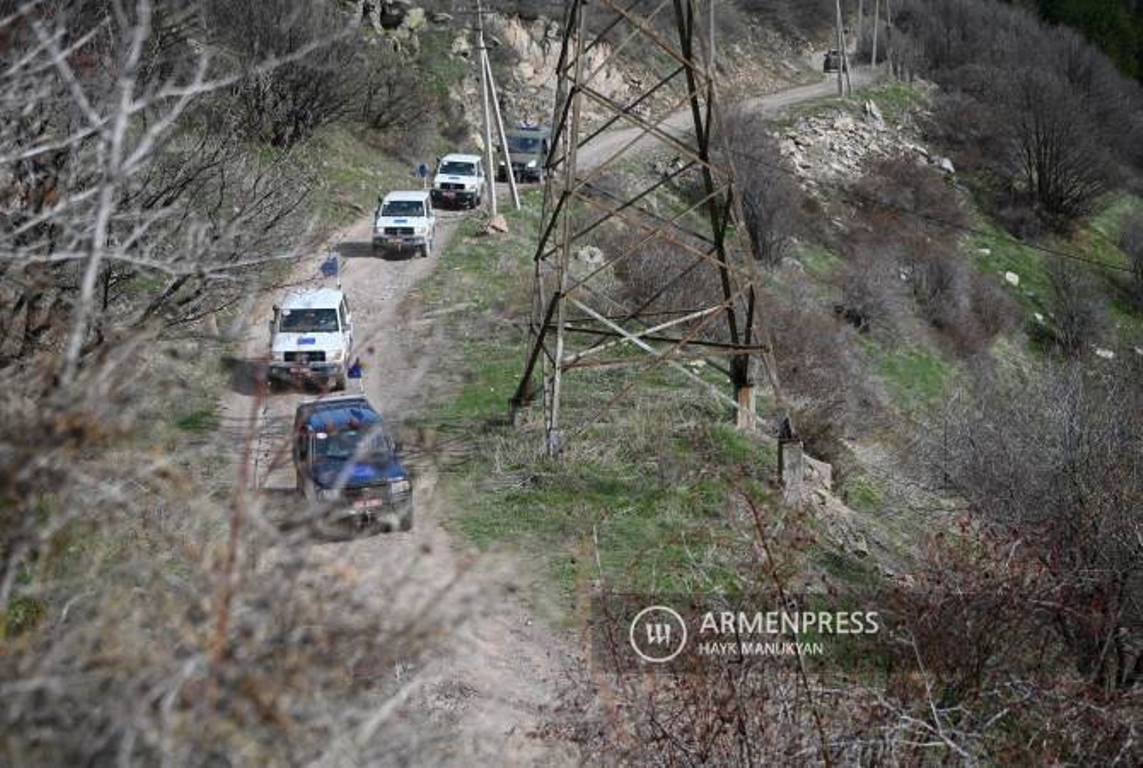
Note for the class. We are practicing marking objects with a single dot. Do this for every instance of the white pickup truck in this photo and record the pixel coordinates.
(459, 181)
(405, 221)
(311, 338)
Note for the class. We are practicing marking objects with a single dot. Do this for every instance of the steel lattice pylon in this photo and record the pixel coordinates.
(567, 307)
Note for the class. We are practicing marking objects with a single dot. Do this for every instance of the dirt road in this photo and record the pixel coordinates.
(680, 123)
(484, 698)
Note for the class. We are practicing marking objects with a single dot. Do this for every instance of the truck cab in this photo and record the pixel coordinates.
(459, 181)
(311, 338)
(528, 147)
(405, 221)
(346, 459)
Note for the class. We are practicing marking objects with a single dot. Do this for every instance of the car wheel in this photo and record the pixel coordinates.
(339, 384)
(406, 521)
(426, 250)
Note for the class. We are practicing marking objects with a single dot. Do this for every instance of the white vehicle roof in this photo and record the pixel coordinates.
(460, 159)
(318, 298)
(420, 195)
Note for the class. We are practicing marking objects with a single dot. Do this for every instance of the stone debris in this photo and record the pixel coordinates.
(835, 147)
(590, 255)
(1106, 354)
(873, 114)
(1012, 278)
(497, 224)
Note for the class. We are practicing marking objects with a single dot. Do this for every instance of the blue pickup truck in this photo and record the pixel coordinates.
(347, 461)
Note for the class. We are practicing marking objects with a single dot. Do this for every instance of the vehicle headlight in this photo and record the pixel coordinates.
(278, 356)
(400, 486)
(531, 163)
(328, 494)
(421, 230)
(337, 356)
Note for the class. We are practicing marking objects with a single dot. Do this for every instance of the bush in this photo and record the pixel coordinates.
(1131, 241)
(322, 78)
(1079, 309)
(771, 199)
(1051, 459)
(1067, 119)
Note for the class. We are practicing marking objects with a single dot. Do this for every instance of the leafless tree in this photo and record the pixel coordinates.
(150, 612)
(1050, 458)
(1079, 312)
(770, 197)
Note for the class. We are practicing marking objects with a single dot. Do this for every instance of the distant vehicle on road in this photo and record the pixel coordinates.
(528, 148)
(834, 61)
(345, 457)
(459, 181)
(311, 338)
(405, 221)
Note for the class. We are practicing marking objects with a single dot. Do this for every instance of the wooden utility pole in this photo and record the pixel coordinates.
(889, 35)
(489, 168)
(840, 51)
(503, 137)
(876, 24)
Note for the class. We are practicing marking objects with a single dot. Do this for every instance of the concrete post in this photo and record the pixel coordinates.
(791, 465)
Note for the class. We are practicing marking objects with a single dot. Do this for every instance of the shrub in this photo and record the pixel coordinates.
(771, 199)
(1131, 241)
(1079, 310)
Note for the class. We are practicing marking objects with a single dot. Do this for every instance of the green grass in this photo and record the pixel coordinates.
(1004, 254)
(199, 420)
(863, 494)
(895, 99)
(820, 262)
(915, 377)
(641, 493)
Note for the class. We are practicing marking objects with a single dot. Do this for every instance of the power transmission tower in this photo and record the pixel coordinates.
(577, 315)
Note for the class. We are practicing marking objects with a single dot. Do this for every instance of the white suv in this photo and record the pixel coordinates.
(311, 338)
(405, 220)
(459, 181)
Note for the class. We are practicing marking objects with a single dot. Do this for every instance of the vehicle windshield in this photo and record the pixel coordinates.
(403, 208)
(346, 444)
(525, 145)
(308, 321)
(454, 168)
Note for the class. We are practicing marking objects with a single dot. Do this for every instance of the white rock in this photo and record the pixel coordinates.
(790, 264)
(590, 254)
(874, 114)
(1139, 350)
(984, 251)
(1038, 316)
(945, 165)
(1012, 278)
(1106, 354)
